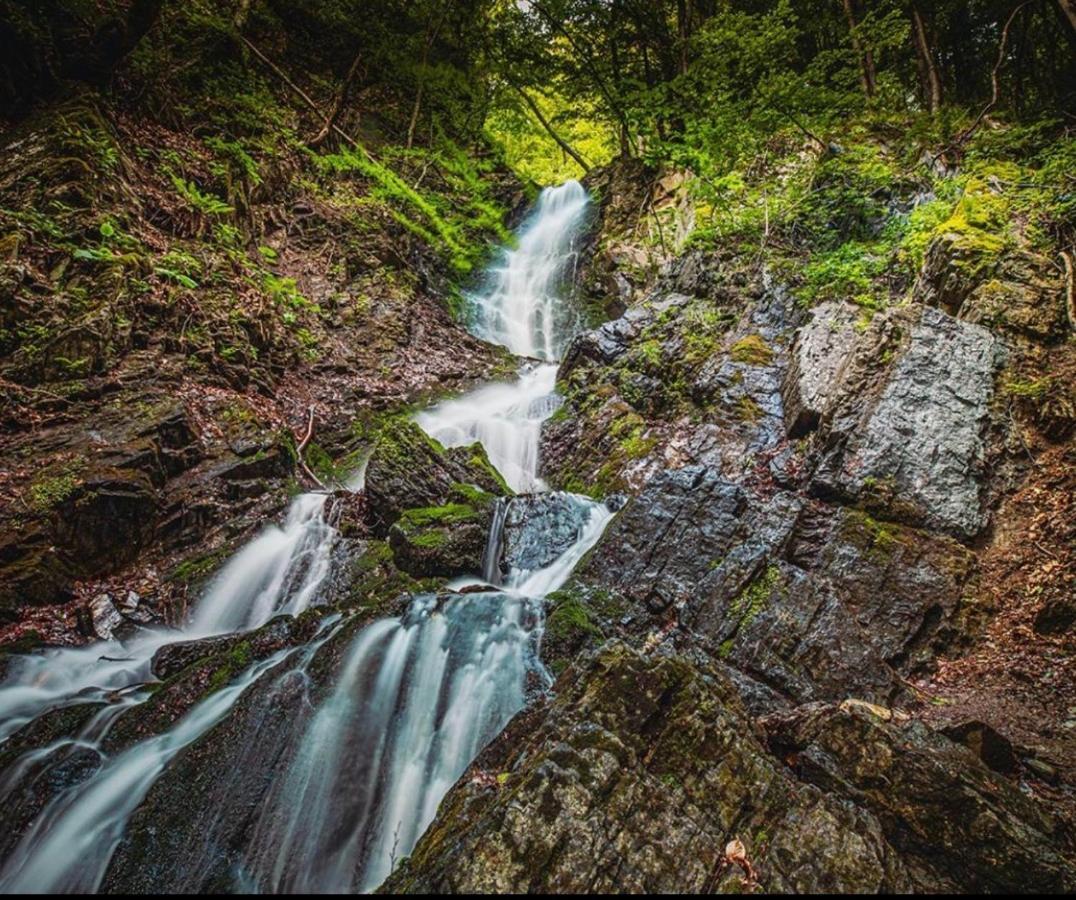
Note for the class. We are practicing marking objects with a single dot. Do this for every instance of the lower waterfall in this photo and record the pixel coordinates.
(411, 701)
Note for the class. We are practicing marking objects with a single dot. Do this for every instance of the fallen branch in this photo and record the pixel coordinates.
(563, 144)
(282, 75)
(338, 105)
(302, 446)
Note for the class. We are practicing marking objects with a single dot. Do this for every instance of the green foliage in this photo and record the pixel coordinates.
(198, 200)
(530, 150)
(754, 598)
(459, 230)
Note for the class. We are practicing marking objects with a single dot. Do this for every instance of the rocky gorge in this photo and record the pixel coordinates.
(376, 521)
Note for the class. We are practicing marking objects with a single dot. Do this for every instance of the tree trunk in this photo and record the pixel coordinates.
(866, 58)
(932, 82)
(563, 144)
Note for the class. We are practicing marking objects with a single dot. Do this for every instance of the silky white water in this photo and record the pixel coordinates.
(417, 698)
(422, 695)
(414, 700)
(523, 309)
(280, 571)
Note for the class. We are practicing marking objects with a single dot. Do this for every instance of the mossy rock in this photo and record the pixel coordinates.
(410, 470)
(446, 540)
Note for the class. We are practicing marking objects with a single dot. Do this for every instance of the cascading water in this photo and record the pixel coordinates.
(422, 695)
(280, 571)
(524, 311)
(68, 845)
(414, 699)
(523, 307)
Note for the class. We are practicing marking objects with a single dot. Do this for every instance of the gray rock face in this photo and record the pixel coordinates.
(818, 354)
(922, 439)
(634, 779)
(954, 821)
(902, 411)
(538, 528)
(806, 600)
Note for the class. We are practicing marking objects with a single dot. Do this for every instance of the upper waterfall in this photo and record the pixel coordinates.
(522, 307)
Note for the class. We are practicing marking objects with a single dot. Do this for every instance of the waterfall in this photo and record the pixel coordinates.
(413, 701)
(280, 571)
(521, 308)
(421, 696)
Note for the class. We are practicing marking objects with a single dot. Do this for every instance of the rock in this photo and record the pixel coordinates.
(410, 470)
(982, 740)
(806, 600)
(444, 540)
(103, 617)
(955, 263)
(1057, 615)
(634, 778)
(1041, 769)
(817, 355)
(538, 528)
(956, 823)
(107, 520)
(905, 436)
(1008, 290)
(606, 343)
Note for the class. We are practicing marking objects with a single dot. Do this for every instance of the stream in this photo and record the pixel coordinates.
(414, 699)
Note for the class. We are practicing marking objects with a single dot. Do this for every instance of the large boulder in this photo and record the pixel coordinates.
(408, 469)
(645, 774)
(903, 410)
(444, 540)
(1011, 290)
(958, 824)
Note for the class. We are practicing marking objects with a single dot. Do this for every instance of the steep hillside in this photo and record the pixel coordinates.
(695, 517)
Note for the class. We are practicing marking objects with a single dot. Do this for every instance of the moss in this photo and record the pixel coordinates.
(752, 350)
(754, 598)
(198, 567)
(425, 517)
(471, 495)
(54, 485)
(1034, 389)
(480, 460)
(570, 618)
(878, 538)
(747, 410)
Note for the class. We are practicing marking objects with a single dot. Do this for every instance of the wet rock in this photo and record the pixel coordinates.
(956, 822)
(538, 528)
(634, 778)
(606, 343)
(100, 618)
(904, 430)
(807, 600)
